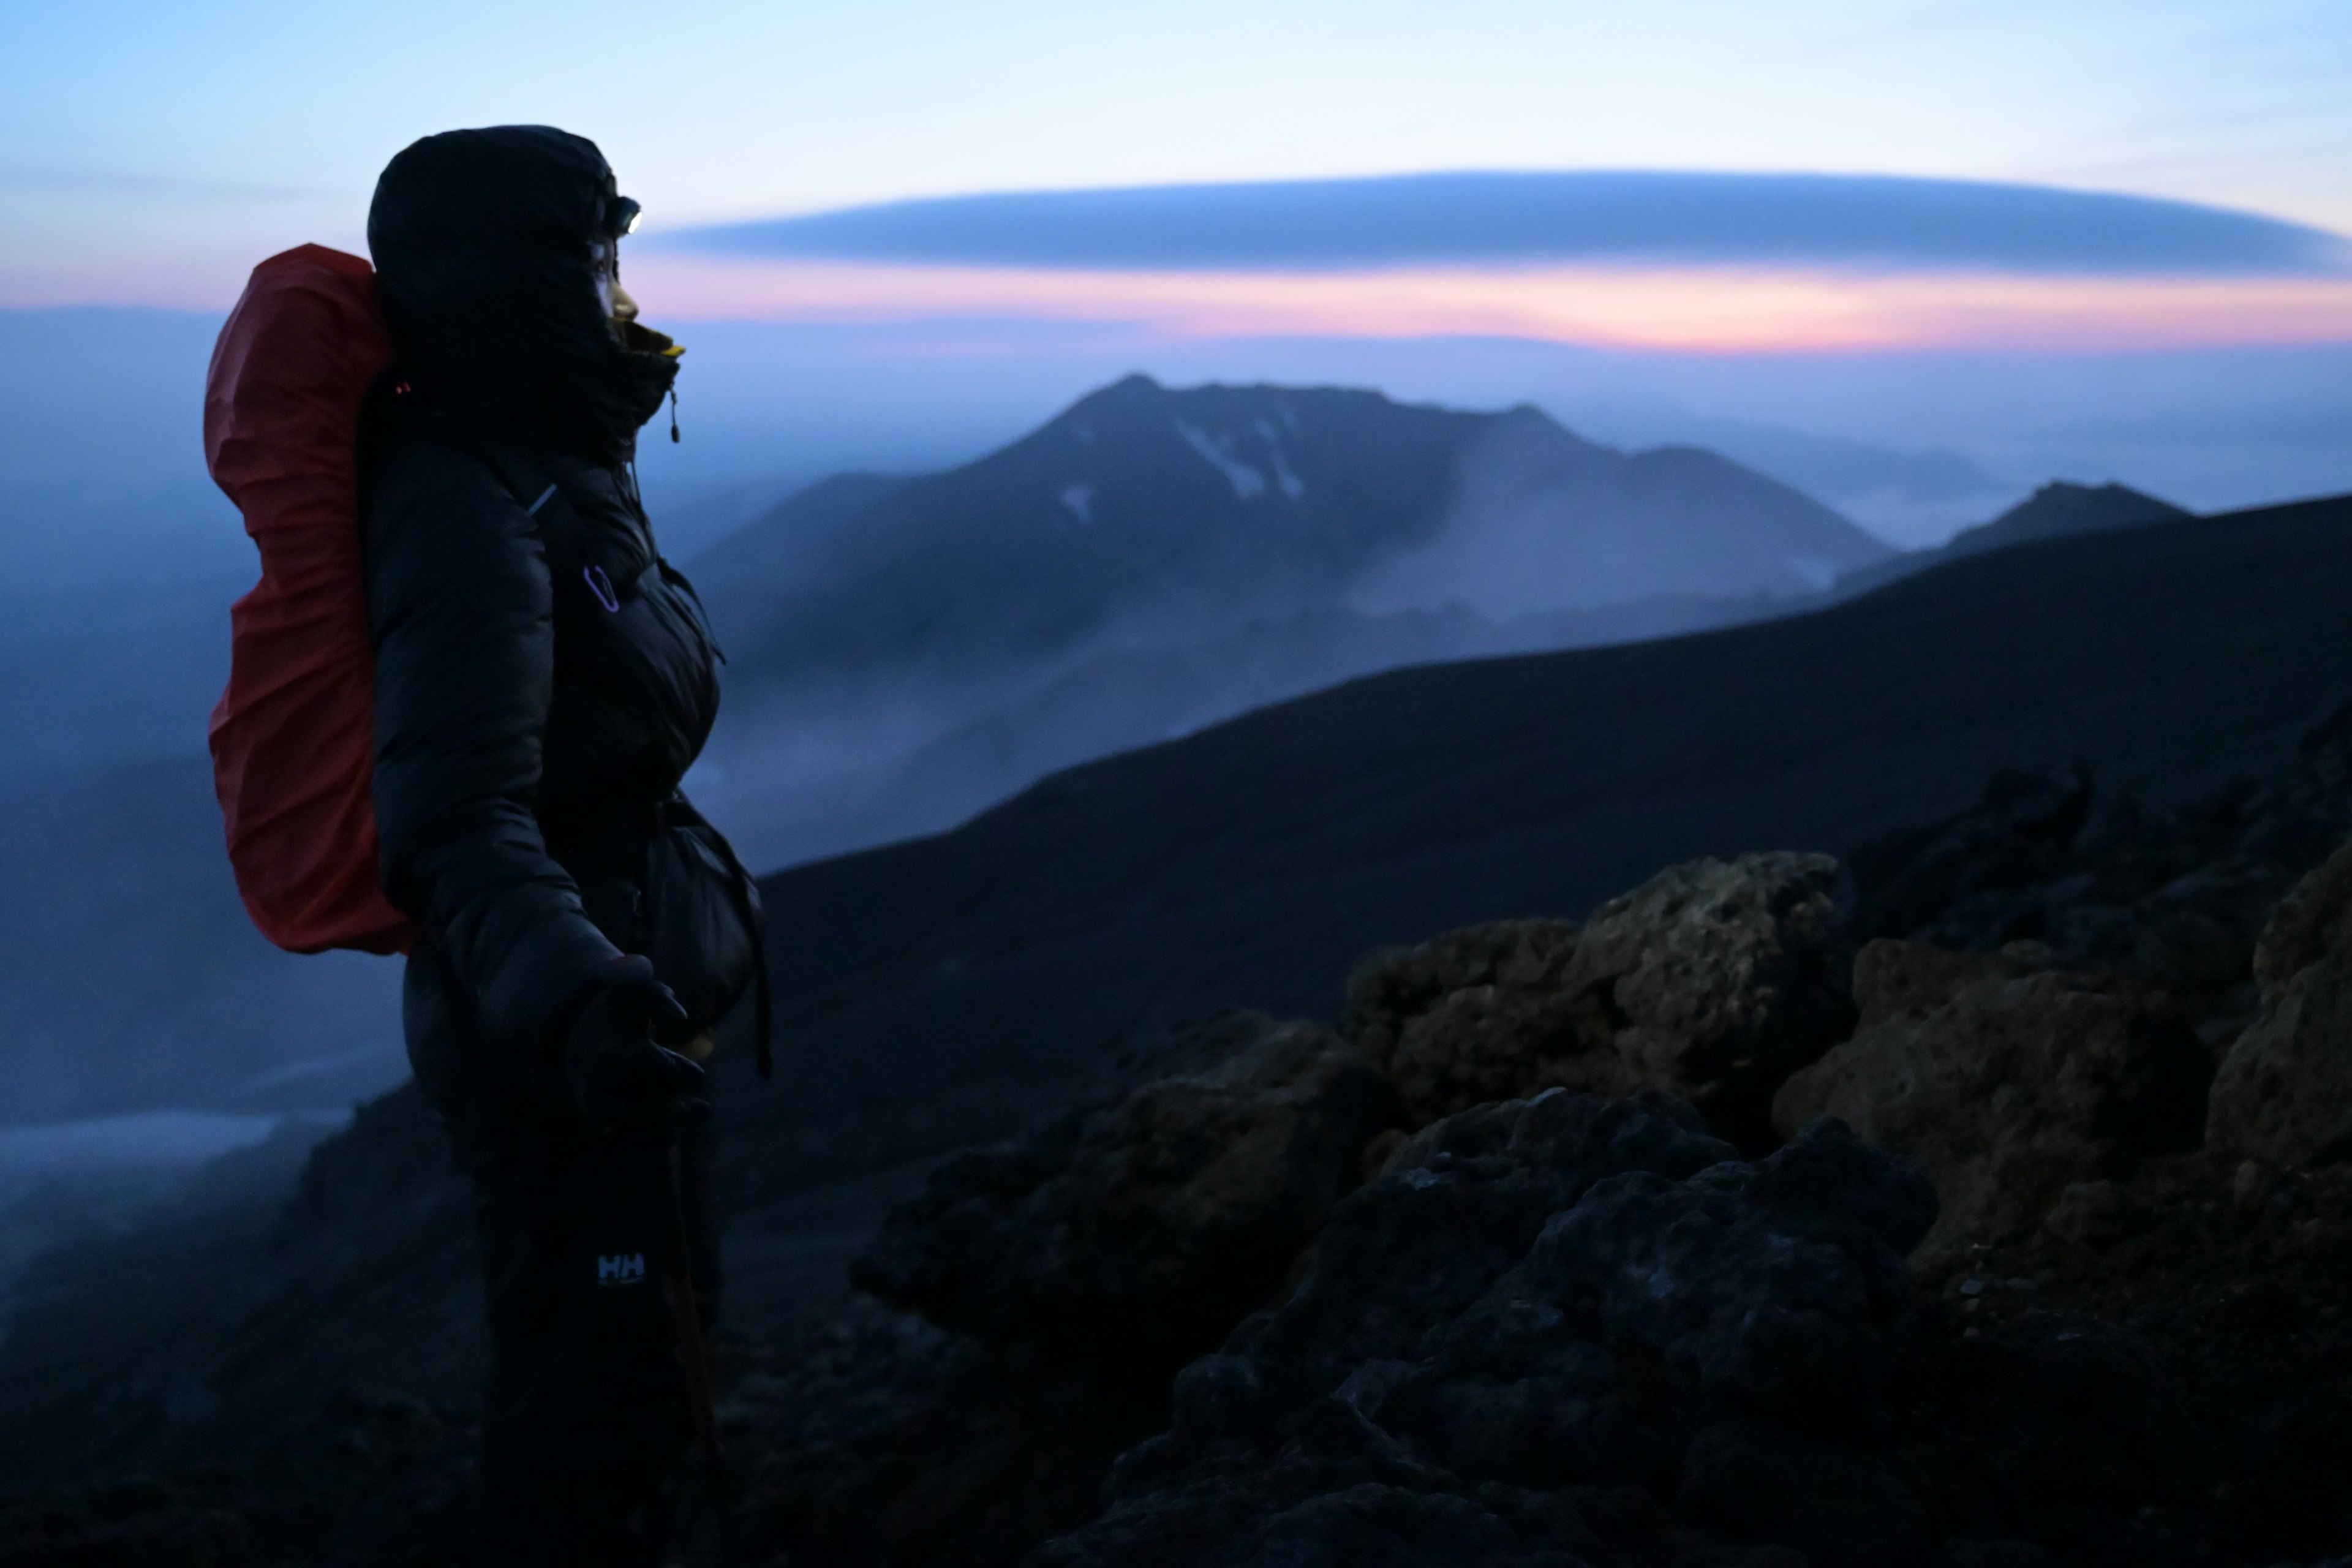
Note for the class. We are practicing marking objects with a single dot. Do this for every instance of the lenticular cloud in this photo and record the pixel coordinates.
(1655, 218)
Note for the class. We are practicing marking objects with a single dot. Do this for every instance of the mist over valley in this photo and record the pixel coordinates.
(908, 647)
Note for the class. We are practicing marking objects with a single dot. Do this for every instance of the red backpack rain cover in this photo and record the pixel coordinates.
(293, 737)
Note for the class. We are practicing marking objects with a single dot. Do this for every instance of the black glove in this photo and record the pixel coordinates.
(621, 1077)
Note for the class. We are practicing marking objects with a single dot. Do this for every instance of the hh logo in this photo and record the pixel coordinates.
(622, 1268)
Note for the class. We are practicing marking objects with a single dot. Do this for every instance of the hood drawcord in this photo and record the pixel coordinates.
(672, 414)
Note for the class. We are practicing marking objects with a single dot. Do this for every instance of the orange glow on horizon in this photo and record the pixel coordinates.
(1684, 310)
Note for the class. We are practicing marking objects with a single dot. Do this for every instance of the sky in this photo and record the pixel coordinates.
(149, 149)
(1997, 191)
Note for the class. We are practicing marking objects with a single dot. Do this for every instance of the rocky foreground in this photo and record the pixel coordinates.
(1983, 1203)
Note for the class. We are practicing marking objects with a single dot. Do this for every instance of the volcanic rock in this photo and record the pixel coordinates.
(1480, 1016)
(1713, 981)
(878, 1440)
(1143, 1228)
(2283, 1094)
(2007, 1086)
(2050, 1411)
(2176, 902)
(1955, 872)
(1722, 979)
(1764, 1481)
(1556, 1297)
(1895, 980)
(2308, 925)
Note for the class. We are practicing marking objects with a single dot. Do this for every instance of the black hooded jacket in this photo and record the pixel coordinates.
(544, 678)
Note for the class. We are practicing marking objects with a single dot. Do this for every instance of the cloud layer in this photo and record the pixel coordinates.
(1419, 220)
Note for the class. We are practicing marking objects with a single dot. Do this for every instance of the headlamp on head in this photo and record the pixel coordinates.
(620, 215)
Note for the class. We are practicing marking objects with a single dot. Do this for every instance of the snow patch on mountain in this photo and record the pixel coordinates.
(1247, 482)
(1288, 483)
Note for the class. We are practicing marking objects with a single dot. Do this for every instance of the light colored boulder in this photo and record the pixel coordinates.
(2284, 1094)
(2308, 925)
(2008, 1086)
(1479, 1015)
(1720, 979)
(1713, 981)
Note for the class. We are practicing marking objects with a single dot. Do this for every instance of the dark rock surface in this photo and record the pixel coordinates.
(1139, 1231)
(1546, 1294)
(2173, 1388)
(880, 1441)
(383, 1483)
(2179, 900)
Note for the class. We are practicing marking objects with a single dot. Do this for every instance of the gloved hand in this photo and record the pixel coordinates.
(620, 1076)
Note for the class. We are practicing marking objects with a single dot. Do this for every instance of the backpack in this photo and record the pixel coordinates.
(293, 740)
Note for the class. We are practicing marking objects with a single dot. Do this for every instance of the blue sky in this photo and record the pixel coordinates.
(149, 150)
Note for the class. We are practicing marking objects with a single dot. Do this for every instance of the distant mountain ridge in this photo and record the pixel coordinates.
(2058, 508)
(1207, 507)
(1182, 555)
(2057, 511)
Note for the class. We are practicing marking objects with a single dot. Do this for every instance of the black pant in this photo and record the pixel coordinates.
(587, 1412)
(589, 1243)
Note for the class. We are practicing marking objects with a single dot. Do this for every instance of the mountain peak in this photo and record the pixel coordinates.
(2062, 507)
(1135, 387)
(2056, 511)
(1534, 430)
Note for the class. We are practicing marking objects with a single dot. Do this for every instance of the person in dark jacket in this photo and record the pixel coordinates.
(543, 680)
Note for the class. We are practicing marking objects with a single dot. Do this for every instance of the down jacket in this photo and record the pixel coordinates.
(543, 677)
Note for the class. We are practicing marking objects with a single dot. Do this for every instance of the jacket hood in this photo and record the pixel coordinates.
(482, 241)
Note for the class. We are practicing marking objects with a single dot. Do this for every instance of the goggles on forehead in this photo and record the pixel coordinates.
(620, 215)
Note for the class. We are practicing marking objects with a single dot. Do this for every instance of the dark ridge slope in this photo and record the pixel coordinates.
(948, 981)
(943, 992)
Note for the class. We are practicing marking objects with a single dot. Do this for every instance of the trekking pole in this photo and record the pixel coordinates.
(694, 1353)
